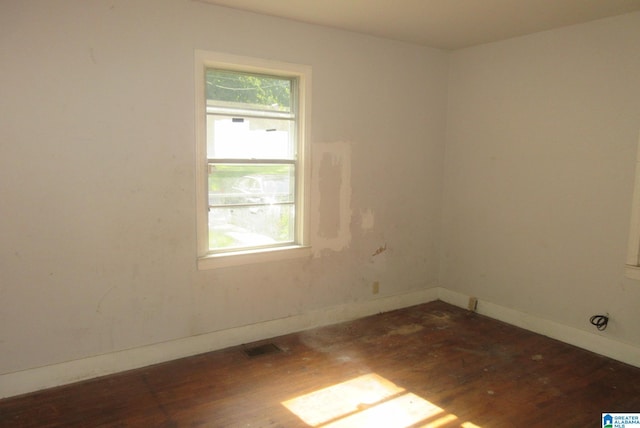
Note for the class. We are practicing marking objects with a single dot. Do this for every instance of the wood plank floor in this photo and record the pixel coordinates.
(429, 365)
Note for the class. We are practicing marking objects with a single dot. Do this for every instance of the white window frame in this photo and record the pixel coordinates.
(302, 247)
(632, 268)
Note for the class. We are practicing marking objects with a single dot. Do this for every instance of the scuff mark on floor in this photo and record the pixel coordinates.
(406, 330)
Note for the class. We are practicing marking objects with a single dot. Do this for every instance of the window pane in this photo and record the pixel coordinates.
(251, 184)
(252, 149)
(249, 138)
(248, 91)
(257, 226)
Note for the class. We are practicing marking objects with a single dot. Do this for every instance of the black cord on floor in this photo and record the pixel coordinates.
(600, 321)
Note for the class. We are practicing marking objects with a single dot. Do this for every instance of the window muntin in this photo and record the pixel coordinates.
(252, 160)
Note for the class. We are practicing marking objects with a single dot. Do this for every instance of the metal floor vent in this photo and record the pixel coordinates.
(268, 348)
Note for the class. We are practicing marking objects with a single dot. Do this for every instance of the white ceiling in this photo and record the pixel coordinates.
(445, 24)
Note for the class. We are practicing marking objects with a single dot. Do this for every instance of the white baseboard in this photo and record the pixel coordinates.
(35, 379)
(582, 339)
(86, 368)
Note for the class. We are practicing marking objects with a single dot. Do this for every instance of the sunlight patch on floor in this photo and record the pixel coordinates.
(369, 400)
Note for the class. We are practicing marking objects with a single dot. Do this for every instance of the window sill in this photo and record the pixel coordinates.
(632, 272)
(214, 261)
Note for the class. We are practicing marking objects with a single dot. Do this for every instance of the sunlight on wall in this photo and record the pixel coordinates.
(369, 400)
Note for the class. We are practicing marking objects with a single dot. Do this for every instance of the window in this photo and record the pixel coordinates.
(252, 154)
(633, 253)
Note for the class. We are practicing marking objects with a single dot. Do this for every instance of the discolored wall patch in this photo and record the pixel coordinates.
(331, 206)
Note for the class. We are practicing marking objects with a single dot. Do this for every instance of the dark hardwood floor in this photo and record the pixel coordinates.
(428, 365)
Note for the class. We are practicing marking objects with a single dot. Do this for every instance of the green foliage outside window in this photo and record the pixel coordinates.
(249, 90)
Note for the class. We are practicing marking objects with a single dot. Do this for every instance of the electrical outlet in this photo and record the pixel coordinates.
(473, 304)
(375, 287)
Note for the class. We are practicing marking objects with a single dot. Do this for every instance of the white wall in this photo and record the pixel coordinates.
(97, 186)
(541, 146)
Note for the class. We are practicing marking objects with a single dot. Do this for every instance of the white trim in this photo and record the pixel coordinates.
(204, 59)
(250, 257)
(582, 339)
(72, 371)
(633, 251)
(59, 374)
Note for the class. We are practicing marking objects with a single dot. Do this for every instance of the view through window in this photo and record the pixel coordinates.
(252, 159)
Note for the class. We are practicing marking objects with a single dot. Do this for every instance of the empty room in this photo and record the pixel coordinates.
(338, 213)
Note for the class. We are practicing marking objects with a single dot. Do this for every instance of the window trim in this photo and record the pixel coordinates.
(206, 259)
(632, 267)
